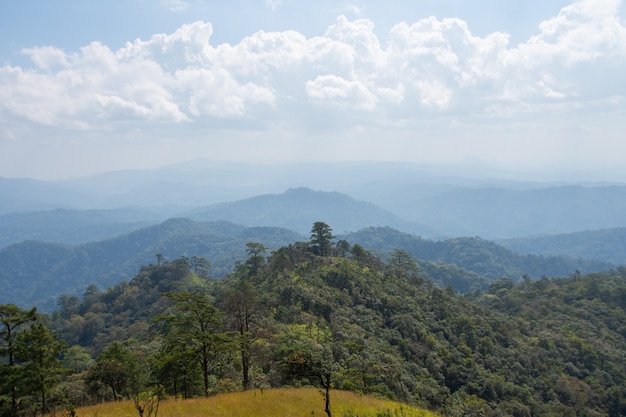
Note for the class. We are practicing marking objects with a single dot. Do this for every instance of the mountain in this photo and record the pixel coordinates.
(295, 209)
(607, 245)
(514, 210)
(22, 194)
(444, 201)
(298, 208)
(72, 226)
(36, 273)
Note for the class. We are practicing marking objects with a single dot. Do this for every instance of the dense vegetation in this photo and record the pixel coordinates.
(36, 273)
(333, 315)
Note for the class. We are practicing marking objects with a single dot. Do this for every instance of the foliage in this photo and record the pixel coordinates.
(479, 256)
(36, 273)
(321, 236)
(197, 325)
(30, 364)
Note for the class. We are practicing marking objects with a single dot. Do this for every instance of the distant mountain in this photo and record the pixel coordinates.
(36, 273)
(608, 245)
(72, 226)
(516, 210)
(443, 201)
(298, 208)
(21, 194)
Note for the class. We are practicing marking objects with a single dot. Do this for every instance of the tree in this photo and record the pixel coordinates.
(176, 369)
(200, 266)
(403, 266)
(343, 248)
(12, 319)
(321, 236)
(313, 363)
(147, 402)
(310, 356)
(244, 313)
(199, 325)
(76, 359)
(256, 260)
(39, 351)
(117, 368)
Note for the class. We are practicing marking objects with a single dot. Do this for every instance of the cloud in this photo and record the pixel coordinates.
(273, 4)
(175, 5)
(429, 67)
(576, 55)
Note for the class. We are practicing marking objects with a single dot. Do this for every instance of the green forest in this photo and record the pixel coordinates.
(330, 314)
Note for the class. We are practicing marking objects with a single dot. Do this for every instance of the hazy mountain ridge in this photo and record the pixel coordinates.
(295, 209)
(438, 199)
(298, 208)
(71, 226)
(607, 245)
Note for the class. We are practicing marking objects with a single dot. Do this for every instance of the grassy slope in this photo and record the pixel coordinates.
(291, 402)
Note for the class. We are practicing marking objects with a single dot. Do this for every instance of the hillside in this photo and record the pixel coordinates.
(355, 322)
(482, 257)
(36, 273)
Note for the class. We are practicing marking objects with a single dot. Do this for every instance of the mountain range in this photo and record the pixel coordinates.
(434, 203)
(61, 236)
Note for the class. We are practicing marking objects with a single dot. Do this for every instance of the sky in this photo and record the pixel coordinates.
(533, 86)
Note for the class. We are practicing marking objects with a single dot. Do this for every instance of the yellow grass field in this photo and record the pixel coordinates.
(292, 402)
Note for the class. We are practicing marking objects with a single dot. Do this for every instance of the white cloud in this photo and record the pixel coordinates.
(175, 5)
(47, 57)
(431, 66)
(334, 89)
(273, 4)
(579, 53)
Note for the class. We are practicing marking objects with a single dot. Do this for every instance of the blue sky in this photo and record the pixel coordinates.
(531, 86)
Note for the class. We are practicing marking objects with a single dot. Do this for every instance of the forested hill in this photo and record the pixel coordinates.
(351, 321)
(474, 254)
(36, 273)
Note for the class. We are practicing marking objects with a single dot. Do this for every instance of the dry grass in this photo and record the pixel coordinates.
(305, 402)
